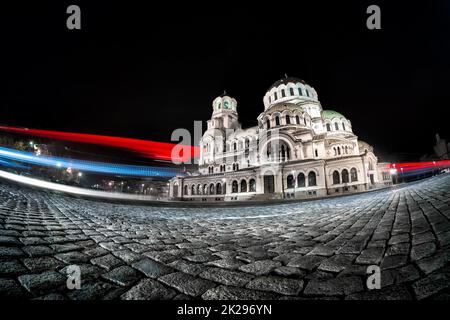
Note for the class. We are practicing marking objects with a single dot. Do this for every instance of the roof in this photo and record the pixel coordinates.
(330, 114)
(286, 80)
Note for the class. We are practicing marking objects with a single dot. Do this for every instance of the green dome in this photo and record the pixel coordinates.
(330, 114)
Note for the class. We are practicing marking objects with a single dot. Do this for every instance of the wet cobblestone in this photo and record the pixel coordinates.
(306, 250)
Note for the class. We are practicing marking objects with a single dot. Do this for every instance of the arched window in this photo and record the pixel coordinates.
(343, 126)
(336, 177)
(353, 174)
(211, 188)
(312, 179)
(370, 165)
(218, 188)
(291, 91)
(243, 186)
(307, 92)
(345, 176)
(290, 181)
(297, 119)
(288, 119)
(267, 124)
(192, 189)
(205, 189)
(328, 127)
(185, 190)
(301, 180)
(304, 121)
(339, 150)
(252, 184)
(237, 166)
(300, 91)
(336, 126)
(283, 93)
(247, 143)
(199, 189)
(235, 146)
(277, 120)
(234, 187)
(275, 96)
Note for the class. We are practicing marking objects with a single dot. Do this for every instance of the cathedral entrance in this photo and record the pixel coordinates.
(269, 184)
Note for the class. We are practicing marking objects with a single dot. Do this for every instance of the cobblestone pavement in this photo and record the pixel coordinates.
(310, 250)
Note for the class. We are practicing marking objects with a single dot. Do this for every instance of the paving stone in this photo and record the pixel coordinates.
(400, 248)
(108, 261)
(231, 264)
(126, 255)
(72, 257)
(187, 267)
(336, 263)
(235, 293)
(149, 289)
(435, 262)
(11, 268)
(42, 263)
(399, 292)
(430, 285)
(51, 297)
(87, 271)
(399, 238)
(9, 241)
(186, 283)
(422, 250)
(40, 282)
(260, 267)
(407, 273)
(227, 277)
(10, 252)
(370, 256)
(65, 247)
(10, 289)
(123, 276)
(152, 268)
(277, 284)
(396, 261)
(289, 272)
(423, 237)
(335, 286)
(91, 291)
(306, 262)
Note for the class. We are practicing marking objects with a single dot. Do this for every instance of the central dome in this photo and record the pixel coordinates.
(287, 80)
(289, 89)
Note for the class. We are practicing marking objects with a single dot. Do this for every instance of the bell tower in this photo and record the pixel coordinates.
(224, 114)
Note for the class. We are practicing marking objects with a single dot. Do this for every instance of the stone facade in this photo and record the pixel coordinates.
(297, 150)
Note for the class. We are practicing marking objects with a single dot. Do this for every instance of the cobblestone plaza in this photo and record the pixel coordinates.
(303, 250)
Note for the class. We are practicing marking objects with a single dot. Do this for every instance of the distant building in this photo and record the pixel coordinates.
(297, 150)
(441, 149)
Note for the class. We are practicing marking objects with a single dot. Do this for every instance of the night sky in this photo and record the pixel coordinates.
(142, 71)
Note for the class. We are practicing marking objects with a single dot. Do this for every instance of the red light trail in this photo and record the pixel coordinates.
(148, 149)
(412, 166)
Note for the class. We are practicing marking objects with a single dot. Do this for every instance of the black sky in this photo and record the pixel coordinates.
(143, 71)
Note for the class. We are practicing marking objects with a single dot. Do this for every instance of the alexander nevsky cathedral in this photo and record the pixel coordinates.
(297, 150)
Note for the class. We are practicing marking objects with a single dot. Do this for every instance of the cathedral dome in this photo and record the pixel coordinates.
(289, 89)
(224, 102)
(330, 114)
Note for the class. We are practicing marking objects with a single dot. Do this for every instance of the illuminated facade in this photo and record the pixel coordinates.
(297, 150)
